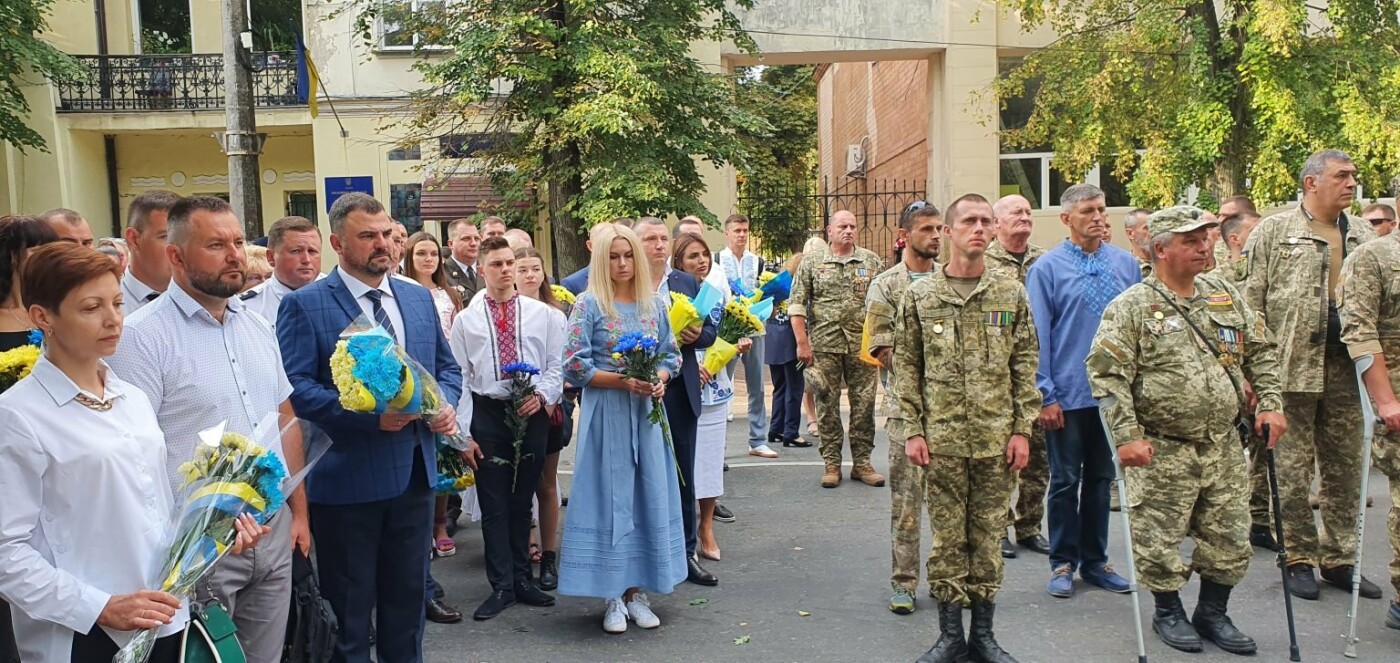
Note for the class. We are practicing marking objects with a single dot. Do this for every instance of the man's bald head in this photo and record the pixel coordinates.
(70, 226)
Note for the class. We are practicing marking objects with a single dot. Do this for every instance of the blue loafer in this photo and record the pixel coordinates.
(1104, 578)
(1061, 584)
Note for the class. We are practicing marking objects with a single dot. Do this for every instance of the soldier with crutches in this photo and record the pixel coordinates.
(1369, 304)
(1168, 365)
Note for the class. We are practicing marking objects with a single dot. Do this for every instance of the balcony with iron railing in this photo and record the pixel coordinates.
(118, 83)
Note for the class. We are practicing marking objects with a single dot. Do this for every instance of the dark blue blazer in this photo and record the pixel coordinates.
(689, 395)
(363, 464)
(576, 282)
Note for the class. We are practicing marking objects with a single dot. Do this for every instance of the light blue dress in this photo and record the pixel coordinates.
(624, 524)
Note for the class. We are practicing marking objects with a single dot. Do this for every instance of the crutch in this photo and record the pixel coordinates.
(1127, 529)
(1293, 654)
(1368, 427)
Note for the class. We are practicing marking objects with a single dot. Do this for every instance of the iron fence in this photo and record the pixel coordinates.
(784, 217)
(173, 82)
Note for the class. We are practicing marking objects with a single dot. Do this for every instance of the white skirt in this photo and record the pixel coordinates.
(709, 451)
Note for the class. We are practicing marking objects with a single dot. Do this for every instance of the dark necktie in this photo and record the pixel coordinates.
(380, 315)
(152, 297)
(471, 275)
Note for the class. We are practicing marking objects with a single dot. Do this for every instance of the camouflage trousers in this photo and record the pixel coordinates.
(966, 499)
(1198, 490)
(1323, 440)
(828, 372)
(1028, 510)
(1386, 458)
(906, 516)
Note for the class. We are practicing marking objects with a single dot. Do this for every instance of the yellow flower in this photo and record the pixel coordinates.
(190, 471)
(765, 277)
(19, 361)
(242, 444)
(563, 295)
(353, 394)
(617, 356)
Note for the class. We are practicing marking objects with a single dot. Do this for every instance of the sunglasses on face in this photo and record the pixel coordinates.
(1379, 220)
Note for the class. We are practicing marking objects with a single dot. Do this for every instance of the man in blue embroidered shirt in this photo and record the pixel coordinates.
(1069, 288)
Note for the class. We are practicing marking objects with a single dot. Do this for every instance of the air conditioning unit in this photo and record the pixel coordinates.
(855, 160)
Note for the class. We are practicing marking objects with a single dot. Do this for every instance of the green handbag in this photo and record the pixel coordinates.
(210, 637)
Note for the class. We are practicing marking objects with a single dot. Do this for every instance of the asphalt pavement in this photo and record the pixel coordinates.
(805, 577)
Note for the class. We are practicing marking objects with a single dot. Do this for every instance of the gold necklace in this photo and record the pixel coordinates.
(92, 403)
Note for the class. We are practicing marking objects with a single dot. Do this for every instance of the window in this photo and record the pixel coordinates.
(411, 153)
(1022, 176)
(408, 24)
(1032, 176)
(302, 203)
(404, 205)
(464, 146)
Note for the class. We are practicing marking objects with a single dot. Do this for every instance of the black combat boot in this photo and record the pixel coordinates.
(983, 644)
(549, 570)
(1169, 622)
(1214, 625)
(951, 646)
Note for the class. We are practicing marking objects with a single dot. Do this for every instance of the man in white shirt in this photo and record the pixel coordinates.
(743, 266)
(202, 359)
(497, 329)
(294, 251)
(70, 226)
(148, 273)
(465, 241)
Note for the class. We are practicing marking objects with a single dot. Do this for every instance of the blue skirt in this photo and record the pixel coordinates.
(623, 527)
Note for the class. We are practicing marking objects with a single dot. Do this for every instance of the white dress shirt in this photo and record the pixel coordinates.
(85, 511)
(265, 298)
(135, 294)
(539, 341)
(360, 292)
(198, 372)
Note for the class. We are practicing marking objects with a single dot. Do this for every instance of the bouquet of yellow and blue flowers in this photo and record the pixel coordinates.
(453, 474)
(738, 321)
(230, 475)
(16, 363)
(374, 375)
(640, 356)
(522, 387)
(562, 295)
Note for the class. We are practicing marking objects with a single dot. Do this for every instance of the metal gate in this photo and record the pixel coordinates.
(784, 217)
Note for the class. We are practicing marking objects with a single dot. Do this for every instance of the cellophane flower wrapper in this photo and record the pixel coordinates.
(454, 476)
(375, 375)
(682, 314)
(229, 474)
(718, 356)
(777, 288)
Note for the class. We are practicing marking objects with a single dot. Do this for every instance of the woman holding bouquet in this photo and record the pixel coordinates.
(77, 552)
(624, 532)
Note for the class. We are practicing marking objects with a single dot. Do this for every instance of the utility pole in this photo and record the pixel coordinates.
(241, 140)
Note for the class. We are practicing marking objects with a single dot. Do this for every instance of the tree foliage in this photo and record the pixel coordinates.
(1213, 93)
(779, 179)
(26, 59)
(599, 102)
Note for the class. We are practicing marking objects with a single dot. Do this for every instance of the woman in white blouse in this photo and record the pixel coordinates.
(87, 503)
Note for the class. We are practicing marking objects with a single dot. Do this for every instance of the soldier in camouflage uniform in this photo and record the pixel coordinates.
(1013, 254)
(965, 362)
(827, 308)
(1369, 300)
(1294, 263)
(1168, 366)
(920, 226)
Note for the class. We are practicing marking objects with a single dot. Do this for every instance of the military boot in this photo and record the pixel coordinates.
(864, 472)
(951, 646)
(983, 643)
(1213, 624)
(832, 477)
(1169, 622)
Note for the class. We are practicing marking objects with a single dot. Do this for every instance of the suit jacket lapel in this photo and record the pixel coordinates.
(342, 294)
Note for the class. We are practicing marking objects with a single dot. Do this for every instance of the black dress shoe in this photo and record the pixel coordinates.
(1302, 582)
(549, 570)
(698, 575)
(493, 605)
(796, 442)
(441, 613)
(528, 594)
(1035, 544)
(1007, 550)
(1260, 536)
(723, 514)
(1340, 576)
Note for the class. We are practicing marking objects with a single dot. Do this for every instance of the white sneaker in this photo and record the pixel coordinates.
(615, 619)
(639, 609)
(763, 451)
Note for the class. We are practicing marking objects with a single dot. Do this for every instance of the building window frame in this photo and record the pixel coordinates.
(383, 25)
(1046, 180)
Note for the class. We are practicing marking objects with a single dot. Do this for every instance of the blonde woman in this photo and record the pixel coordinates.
(624, 532)
(259, 269)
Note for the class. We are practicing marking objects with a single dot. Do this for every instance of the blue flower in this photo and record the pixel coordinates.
(376, 365)
(738, 287)
(632, 341)
(520, 367)
(36, 337)
(269, 484)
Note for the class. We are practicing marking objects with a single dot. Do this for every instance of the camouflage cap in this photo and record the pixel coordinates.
(1179, 219)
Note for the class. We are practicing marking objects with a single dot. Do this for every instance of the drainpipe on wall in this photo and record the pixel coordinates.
(109, 142)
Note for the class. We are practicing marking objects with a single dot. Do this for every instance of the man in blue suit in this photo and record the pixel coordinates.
(682, 405)
(371, 496)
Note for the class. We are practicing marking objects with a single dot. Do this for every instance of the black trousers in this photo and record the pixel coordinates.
(96, 646)
(8, 652)
(373, 558)
(788, 387)
(506, 492)
(683, 422)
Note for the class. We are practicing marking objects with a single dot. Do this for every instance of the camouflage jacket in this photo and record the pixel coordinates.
(829, 291)
(1286, 281)
(966, 370)
(1154, 376)
(999, 258)
(882, 302)
(1369, 302)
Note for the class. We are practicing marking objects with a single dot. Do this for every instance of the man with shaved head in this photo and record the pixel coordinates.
(70, 226)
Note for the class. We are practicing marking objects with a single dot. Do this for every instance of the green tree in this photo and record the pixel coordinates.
(1212, 93)
(778, 183)
(27, 58)
(598, 102)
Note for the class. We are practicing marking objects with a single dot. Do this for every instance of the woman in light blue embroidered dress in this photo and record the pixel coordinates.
(624, 532)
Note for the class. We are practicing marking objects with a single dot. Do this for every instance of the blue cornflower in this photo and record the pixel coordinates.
(520, 367)
(376, 365)
(36, 337)
(269, 484)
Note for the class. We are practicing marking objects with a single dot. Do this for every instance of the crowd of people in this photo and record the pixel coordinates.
(1014, 377)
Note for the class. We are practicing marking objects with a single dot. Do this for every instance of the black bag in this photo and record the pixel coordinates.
(312, 626)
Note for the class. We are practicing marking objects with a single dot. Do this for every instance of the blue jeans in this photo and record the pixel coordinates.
(1081, 469)
(788, 387)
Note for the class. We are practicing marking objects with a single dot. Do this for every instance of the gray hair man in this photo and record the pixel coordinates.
(1135, 227)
